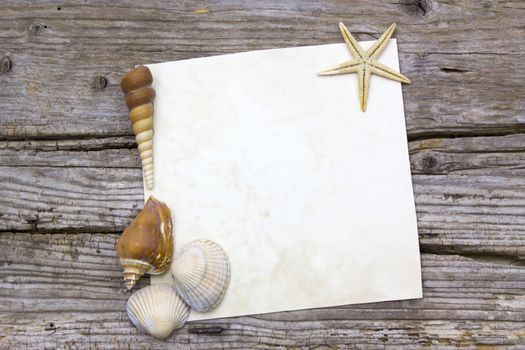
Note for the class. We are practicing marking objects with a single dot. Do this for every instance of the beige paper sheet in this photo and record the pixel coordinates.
(311, 198)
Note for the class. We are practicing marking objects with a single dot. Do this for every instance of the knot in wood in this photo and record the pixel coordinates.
(417, 8)
(99, 83)
(429, 162)
(36, 28)
(5, 64)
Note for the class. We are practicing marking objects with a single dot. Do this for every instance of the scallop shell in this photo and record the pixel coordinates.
(157, 310)
(201, 272)
(139, 99)
(146, 245)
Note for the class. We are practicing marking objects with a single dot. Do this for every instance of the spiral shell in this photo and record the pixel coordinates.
(201, 272)
(157, 310)
(139, 99)
(146, 245)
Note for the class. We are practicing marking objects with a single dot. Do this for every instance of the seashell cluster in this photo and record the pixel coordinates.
(146, 245)
(202, 269)
(157, 310)
(201, 272)
(139, 99)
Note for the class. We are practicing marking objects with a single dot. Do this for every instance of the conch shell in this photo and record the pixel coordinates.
(157, 310)
(201, 272)
(139, 99)
(146, 245)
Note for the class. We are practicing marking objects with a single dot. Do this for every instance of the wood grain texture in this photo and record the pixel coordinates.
(504, 155)
(70, 178)
(87, 186)
(67, 289)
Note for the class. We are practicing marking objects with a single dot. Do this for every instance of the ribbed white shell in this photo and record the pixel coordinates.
(157, 310)
(201, 272)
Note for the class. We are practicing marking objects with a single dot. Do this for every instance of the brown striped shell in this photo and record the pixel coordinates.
(146, 245)
(139, 99)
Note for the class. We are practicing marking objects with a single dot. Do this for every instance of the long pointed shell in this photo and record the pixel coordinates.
(139, 97)
(201, 272)
(146, 246)
(157, 310)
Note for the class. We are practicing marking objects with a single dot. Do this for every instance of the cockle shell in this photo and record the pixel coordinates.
(201, 272)
(139, 99)
(146, 246)
(157, 310)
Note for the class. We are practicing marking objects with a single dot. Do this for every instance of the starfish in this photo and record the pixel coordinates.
(365, 63)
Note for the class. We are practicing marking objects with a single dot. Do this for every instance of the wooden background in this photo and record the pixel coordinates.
(70, 178)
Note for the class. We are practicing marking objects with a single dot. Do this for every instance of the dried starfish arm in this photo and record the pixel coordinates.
(343, 68)
(363, 76)
(386, 72)
(375, 50)
(352, 44)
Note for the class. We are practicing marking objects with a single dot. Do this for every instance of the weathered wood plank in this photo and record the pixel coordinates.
(108, 152)
(66, 290)
(78, 199)
(449, 58)
(465, 213)
(69, 190)
(501, 155)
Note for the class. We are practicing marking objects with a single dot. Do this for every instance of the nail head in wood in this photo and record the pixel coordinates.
(5, 64)
(99, 83)
(137, 78)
